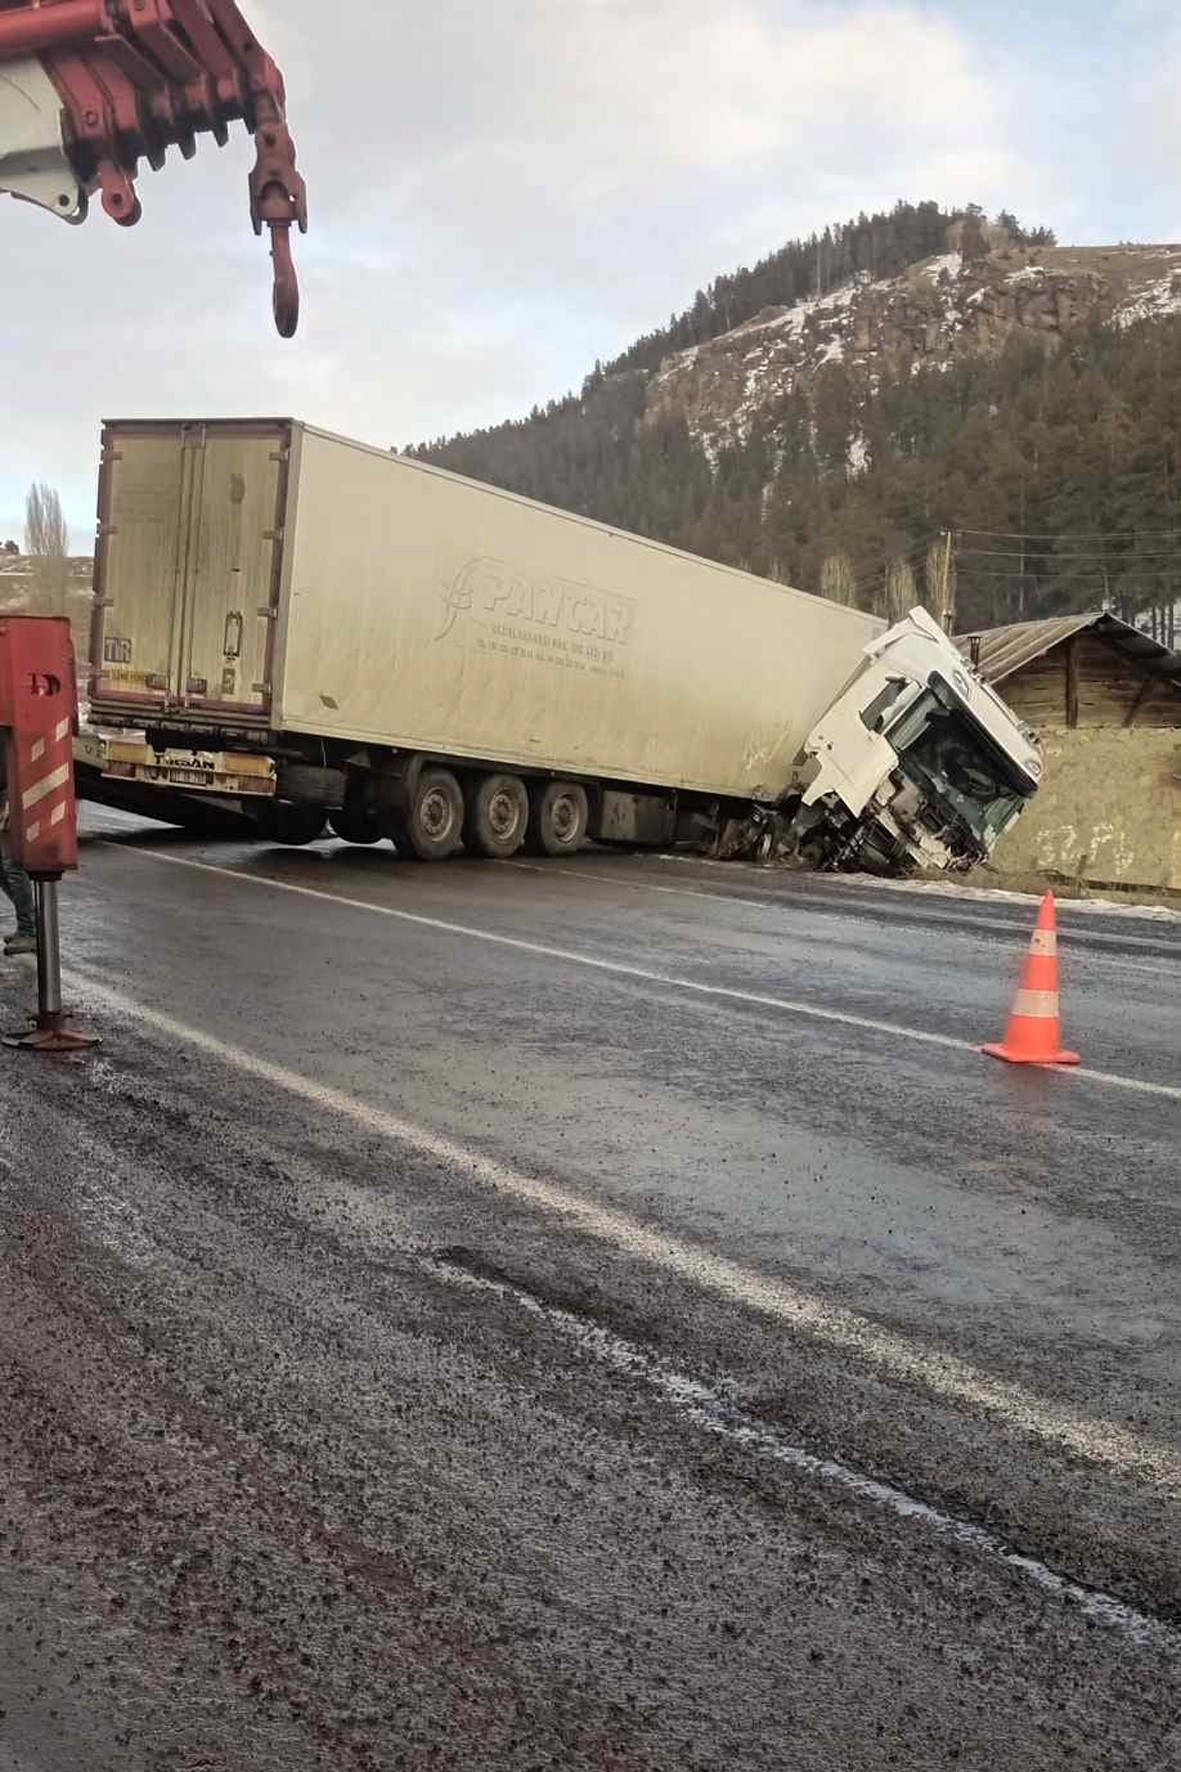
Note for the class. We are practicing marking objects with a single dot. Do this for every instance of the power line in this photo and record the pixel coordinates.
(1097, 569)
(1050, 553)
(877, 579)
(915, 562)
(915, 547)
(1073, 535)
(886, 554)
(918, 551)
(1165, 572)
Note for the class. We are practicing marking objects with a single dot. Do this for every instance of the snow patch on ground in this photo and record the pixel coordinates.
(711, 448)
(673, 365)
(1026, 277)
(1154, 302)
(858, 457)
(794, 319)
(1099, 907)
(949, 263)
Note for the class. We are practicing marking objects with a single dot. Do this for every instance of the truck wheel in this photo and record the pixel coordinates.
(310, 784)
(558, 815)
(354, 826)
(497, 816)
(435, 825)
(281, 822)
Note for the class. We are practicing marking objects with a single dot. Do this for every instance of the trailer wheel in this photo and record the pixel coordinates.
(435, 823)
(558, 816)
(354, 826)
(497, 816)
(281, 822)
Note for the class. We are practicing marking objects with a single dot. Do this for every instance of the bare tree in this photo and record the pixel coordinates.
(47, 543)
(837, 581)
(899, 595)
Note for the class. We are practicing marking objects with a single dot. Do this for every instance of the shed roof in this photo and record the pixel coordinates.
(998, 652)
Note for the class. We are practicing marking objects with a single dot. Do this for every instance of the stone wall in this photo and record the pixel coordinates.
(1109, 810)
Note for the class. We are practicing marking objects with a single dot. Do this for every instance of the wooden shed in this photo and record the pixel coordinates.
(1080, 670)
(1106, 700)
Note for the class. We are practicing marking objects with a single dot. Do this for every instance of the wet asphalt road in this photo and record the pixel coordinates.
(585, 1315)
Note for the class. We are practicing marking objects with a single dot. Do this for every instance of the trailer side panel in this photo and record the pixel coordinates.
(432, 613)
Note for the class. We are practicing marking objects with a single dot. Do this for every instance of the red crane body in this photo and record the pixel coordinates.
(38, 719)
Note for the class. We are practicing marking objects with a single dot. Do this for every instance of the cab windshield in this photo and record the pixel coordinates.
(949, 755)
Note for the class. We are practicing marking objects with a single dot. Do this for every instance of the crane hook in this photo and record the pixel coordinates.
(285, 296)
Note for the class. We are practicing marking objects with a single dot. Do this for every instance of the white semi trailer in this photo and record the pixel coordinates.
(417, 656)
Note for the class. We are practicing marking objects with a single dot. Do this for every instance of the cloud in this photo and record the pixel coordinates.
(553, 126)
(498, 196)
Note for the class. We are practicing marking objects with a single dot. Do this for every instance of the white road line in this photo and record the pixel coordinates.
(943, 1374)
(1081, 939)
(710, 1410)
(620, 968)
(755, 904)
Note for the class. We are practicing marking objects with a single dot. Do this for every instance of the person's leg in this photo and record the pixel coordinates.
(19, 888)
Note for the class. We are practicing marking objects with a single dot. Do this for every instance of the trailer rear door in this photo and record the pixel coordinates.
(189, 547)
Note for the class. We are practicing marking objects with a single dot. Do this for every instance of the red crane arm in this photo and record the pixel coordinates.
(133, 78)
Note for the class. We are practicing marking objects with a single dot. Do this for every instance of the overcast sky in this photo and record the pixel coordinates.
(502, 193)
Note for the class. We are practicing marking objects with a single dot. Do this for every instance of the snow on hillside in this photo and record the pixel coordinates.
(948, 264)
(1158, 299)
(935, 311)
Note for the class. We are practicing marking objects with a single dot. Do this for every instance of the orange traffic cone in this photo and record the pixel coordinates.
(1033, 1034)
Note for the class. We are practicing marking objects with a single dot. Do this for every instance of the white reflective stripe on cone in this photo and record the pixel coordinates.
(1037, 1005)
(1045, 941)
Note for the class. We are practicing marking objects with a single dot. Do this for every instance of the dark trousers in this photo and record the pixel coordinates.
(19, 887)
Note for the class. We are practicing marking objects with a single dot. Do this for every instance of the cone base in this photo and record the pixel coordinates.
(1011, 1057)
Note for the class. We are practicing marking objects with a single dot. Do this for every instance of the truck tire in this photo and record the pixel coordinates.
(558, 816)
(497, 816)
(434, 825)
(281, 822)
(354, 825)
(310, 784)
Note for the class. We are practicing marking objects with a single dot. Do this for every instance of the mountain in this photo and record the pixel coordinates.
(831, 416)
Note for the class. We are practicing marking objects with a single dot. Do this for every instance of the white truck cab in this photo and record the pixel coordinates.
(917, 761)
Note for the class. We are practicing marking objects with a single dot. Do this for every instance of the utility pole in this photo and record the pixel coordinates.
(947, 586)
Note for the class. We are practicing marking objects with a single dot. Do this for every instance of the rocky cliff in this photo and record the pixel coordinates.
(935, 312)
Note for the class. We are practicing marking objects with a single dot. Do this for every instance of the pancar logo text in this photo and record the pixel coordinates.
(491, 587)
